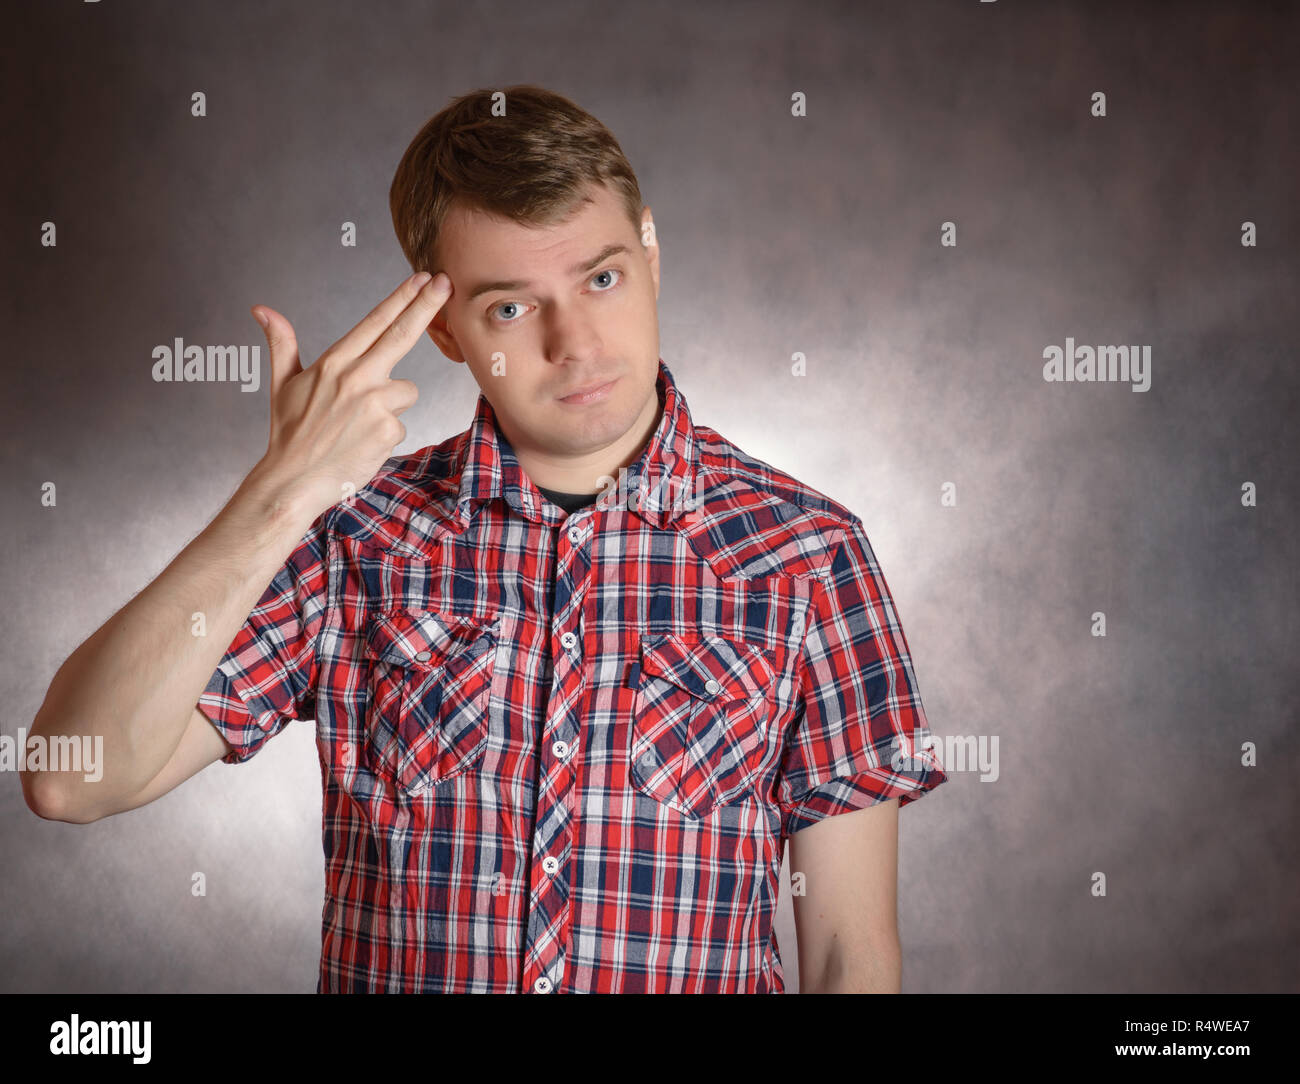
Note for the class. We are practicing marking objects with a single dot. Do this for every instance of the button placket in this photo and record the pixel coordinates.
(553, 831)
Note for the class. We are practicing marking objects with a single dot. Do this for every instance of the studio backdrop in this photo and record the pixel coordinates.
(1013, 282)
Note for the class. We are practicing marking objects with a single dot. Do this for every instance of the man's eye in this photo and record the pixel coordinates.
(511, 318)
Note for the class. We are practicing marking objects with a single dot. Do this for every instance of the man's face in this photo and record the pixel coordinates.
(538, 314)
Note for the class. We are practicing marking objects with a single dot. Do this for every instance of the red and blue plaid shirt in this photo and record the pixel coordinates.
(563, 753)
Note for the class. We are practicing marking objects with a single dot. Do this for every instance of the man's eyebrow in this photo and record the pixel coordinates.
(516, 284)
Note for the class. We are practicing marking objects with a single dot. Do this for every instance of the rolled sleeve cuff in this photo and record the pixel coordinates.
(246, 721)
(847, 793)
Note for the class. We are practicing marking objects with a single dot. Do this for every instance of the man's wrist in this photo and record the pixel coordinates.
(275, 501)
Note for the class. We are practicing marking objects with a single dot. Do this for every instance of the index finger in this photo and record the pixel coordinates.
(362, 337)
(405, 329)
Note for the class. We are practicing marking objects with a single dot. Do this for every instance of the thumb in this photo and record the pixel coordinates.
(282, 345)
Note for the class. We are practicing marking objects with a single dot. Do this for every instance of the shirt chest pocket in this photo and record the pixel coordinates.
(700, 721)
(430, 692)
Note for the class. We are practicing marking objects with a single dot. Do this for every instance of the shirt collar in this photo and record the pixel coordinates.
(659, 486)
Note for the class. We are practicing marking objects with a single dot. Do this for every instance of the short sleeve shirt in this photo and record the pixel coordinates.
(561, 751)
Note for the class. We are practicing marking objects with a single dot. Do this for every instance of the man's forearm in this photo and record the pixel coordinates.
(135, 682)
(876, 968)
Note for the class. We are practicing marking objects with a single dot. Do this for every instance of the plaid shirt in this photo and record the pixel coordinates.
(563, 753)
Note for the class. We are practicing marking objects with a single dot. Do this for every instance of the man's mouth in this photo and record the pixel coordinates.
(589, 393)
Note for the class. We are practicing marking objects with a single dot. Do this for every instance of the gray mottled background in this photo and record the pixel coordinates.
(779, 234)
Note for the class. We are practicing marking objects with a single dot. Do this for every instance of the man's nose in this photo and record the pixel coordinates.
(571, 334)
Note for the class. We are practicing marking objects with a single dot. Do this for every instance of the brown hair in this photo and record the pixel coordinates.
(531, 165)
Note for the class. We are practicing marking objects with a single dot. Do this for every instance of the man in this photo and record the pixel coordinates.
(577, 672)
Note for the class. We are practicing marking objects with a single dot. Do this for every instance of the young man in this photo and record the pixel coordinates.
(578, 672)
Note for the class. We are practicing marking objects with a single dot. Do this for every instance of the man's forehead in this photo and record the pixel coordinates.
(493, 250)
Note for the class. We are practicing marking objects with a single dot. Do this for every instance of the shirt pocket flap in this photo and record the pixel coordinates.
(710, 667)
(425, 640)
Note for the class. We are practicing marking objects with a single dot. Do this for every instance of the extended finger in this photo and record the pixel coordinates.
(407, 326)
(362, 337)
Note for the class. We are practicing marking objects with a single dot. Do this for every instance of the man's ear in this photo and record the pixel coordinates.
(442, 337)
(652, 249)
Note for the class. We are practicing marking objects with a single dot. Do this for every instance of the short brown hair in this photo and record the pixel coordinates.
(531, 165)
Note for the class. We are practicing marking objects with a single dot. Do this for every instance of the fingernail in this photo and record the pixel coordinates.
(260, 317)
(421, 278)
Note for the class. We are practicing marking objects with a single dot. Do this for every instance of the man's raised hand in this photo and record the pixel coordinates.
(334, 423)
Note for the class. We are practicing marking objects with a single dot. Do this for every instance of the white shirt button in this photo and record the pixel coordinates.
(568, 640)
(542, 985)
(712, 687)
(648, 758)
(560, 749)
(424, 656)
(550, 863)
(575, 535)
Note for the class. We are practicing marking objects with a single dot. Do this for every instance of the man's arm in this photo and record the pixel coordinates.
(847, 920)
(201, 744)
(136, 682)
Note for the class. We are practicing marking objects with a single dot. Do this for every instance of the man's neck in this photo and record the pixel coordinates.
(583, 475)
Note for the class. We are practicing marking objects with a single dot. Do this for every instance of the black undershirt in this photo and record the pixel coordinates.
(570, 502)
